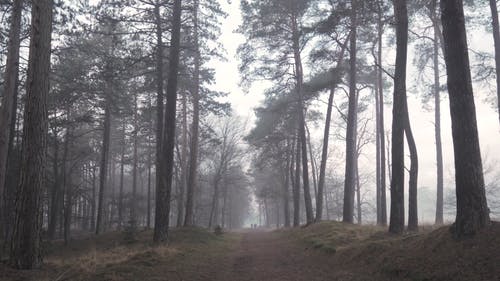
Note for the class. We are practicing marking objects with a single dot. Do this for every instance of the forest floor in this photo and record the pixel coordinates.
(324, 251)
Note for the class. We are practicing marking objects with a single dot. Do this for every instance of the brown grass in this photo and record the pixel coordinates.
(111, 257)
(432, 254)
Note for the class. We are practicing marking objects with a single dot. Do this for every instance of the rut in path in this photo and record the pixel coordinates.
(264, 256)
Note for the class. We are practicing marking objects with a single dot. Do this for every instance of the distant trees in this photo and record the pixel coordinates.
(472, 209)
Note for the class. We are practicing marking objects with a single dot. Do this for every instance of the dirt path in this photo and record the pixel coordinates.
(269, 256)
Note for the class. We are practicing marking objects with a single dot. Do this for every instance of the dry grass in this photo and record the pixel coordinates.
(432, 254)
(111, 257)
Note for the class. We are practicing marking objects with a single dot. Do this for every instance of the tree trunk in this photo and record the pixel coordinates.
(122, 175)
(397, 219)
(313, 163)
(159, 95)
(192, 181)
(133, 203)
(326, 136)
(296, 187)
(104, 161)
(163, 192)
(286, 193)
(351, 135)
(215, 199)
(413, 184)
(437, 113)
(184, 166)
(358, 193)
(496, 39)
(7, 108)
(66, 174)
(26, 239)
(299, 75)
(472, 208)
(380, 134)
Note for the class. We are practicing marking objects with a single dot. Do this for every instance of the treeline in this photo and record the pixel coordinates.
(110, 122)
(333, 55)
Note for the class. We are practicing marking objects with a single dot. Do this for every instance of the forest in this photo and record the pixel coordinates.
(287, 139)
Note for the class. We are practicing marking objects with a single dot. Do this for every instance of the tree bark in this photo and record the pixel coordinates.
(382, 206)
(163, 192)
(437, 112)
(159, 95)
(413, 184)
(397, 219)
(472, 208)
(26, 250)
(9, 98)
(351, 134)
(496, 39)
(296, 187)
(192, 181)
(184, 166)
(299, 76)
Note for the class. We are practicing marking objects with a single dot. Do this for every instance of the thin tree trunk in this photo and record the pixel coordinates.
(351, 135)
(9, 98)
(437, 116)
(286, 193)
(313, 163)
(193, 156)
(159, 95)
(26, 250)
(133, 203)
(66, 174)
(163, 193)
(383, 200)
(397, 219)
(496, 39)
(184, 166)
(296, 187)
(413, 184)
(299, 75)
(122, 175)
(326, 136)
(472, 208)
(358, 194)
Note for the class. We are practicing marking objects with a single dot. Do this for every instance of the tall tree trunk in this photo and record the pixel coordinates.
(7, 108)
(103, 169)
(122, 175)
(472, 208)
(358, 193)
(27, 233)
(397, 219)
(496, 39)
(94, 198)
(299, 75)
(383, 198)
(184, 166)
(66, 175)
(313, 163)
(133, 203)
(163, 192)
(286, 184)
(352, 119)
(192, 181)
(326, 136)
(159, 95)
(437, 112)
(296, 187)
(413, 184)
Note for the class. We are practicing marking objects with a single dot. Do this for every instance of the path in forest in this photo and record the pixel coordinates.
(266, 255)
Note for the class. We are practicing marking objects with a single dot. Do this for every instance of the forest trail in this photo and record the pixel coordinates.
(266, 255)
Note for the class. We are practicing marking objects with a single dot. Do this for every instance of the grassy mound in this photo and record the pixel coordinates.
(370, 252)
(113, 257)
